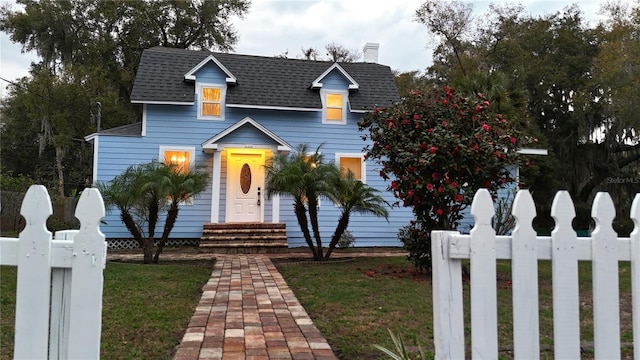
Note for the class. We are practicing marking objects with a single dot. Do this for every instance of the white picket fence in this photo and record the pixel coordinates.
(525, 248)
(61, 278)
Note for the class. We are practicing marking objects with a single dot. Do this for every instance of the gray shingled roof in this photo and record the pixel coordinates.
(134, 129)
(261, 81)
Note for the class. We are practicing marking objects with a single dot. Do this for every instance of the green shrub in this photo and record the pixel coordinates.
(346, 240)
(416, 241)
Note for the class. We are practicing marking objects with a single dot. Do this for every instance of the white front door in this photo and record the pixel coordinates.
(245, 185)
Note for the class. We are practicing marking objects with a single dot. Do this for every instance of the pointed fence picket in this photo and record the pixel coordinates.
(482, 247)
(61, 277)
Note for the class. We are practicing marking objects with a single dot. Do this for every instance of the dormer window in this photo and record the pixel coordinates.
(334, 106)
(211, 101)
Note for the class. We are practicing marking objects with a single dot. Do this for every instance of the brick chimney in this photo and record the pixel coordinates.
(370, 52)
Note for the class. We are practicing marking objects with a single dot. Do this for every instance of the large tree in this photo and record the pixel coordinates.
(89, 51)
(575, 80)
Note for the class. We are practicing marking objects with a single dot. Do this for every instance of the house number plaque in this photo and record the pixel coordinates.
(245, 178)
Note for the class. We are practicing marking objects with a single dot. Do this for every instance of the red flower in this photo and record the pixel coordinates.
(430, 187)
(485, 127)
(444, 102)
(454, 184)
(458, 198)
(444, 122)
(486, 103)
(387, 147)
(416, 116)
(411, 169)
(423, 146)
(394, 184)
(439, 212)
(440, 189)
(512, 140)
(487, 184)
(435, 176)
(433, 149)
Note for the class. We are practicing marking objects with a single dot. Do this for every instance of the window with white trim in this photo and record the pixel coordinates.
(353, 162)
(310, 159)
(334, 106)
(182, 157)
(211, 100)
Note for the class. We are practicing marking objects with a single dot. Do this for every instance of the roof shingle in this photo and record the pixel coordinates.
(261, 81)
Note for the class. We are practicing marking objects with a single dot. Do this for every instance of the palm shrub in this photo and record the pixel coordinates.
(353, 196)
(179, 188)
(142, 192)
(306, 177)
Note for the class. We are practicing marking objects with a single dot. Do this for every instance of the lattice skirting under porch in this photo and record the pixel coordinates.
(132, 244)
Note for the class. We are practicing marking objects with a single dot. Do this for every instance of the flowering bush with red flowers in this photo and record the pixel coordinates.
(438, 148)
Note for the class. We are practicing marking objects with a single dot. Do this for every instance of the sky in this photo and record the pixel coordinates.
(272, 27)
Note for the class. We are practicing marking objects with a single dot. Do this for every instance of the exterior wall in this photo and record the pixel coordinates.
(177, 125)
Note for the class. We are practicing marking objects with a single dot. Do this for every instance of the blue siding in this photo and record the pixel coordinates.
(334, 80)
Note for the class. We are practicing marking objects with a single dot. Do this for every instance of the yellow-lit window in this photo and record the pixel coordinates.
(180, 159)
(353, 164)
(334, 107)
(310, 160)
(211, 101)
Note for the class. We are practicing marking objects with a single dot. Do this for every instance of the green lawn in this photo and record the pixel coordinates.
(354, 303)
(146, 308)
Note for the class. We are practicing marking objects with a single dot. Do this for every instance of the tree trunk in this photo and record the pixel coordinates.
(147, 250)
(313, 217)
(302, 221)
(60, 169)
(127, 219)
(172, 215)
(343, 223)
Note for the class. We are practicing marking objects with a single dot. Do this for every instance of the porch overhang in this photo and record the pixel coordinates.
(212, 144)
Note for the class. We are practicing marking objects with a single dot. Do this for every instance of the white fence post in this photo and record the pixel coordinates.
(75, 301)
(524, 282)
(564, 273)
(635, 275)
(606, 328)
(484, 310)
(89, 252)
(34, 277)
(448, 315)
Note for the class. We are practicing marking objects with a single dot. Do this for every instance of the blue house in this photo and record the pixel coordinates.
(229, 114)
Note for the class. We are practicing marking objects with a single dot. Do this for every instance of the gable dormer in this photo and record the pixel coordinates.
(335, 84)
(211, 80)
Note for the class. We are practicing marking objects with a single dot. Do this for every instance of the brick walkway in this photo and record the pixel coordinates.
(247, 311)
